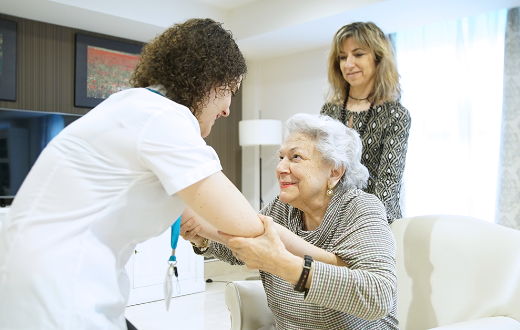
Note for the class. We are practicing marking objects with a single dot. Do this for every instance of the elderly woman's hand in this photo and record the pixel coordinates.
(261, 252)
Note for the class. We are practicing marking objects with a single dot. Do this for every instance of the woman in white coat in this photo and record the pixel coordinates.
(118, 176)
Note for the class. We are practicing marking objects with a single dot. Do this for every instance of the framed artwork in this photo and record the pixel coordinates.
(7, 60)
(103, 67)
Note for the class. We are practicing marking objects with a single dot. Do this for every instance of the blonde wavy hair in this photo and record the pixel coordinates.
(368, 36)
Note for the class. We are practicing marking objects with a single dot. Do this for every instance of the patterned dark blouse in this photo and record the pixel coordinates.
(384, 131)
(362, 295)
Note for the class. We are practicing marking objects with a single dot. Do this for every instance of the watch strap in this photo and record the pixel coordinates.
(307, 263)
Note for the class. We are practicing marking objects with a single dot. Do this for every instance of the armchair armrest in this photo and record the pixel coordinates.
(247, 304)
(488, 323)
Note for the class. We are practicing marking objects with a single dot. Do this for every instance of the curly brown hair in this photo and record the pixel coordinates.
(190, 59)
(369, 36)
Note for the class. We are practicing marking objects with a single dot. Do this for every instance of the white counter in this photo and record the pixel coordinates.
(3, 211)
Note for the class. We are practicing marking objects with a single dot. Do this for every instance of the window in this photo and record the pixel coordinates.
(451, 76)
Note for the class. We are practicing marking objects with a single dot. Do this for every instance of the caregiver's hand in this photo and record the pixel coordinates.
(263, 252)
(190, 231)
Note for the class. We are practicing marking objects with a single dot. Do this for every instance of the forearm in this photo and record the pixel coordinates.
(366, 294)
(207, 231)
(299, 247)
(290, 268)
(294, 244)
(220, 203)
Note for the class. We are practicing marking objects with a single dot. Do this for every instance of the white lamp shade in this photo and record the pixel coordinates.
(259, 132)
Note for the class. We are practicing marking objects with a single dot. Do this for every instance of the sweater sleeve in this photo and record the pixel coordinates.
(367, 287)
(392, 160)
(219, 251)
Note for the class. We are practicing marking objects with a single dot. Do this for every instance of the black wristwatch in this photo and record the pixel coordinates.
(307, 263)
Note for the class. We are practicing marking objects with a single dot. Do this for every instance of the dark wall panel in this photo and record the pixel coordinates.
(45, 66)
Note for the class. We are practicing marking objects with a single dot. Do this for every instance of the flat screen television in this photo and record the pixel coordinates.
(23, 135)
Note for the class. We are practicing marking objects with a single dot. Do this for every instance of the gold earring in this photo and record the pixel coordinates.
(330, 192)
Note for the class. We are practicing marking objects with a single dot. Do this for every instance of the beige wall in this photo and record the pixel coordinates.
(277, 89)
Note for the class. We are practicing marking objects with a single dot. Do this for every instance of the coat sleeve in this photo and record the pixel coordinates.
(392, 161)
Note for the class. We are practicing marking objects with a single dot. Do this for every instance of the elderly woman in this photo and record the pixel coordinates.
(364, 95)
(321, 202)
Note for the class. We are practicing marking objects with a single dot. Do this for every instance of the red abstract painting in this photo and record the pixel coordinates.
(108, 71)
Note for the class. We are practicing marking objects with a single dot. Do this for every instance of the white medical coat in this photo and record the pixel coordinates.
(107, 182)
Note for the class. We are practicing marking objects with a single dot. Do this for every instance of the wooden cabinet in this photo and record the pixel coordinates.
(149, 262)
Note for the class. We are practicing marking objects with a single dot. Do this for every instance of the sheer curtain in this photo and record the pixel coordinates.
(451, 75)
(508, 192)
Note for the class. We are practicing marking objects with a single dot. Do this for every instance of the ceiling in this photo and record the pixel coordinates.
(263, 28)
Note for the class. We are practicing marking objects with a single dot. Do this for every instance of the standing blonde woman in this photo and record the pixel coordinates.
(364, 95)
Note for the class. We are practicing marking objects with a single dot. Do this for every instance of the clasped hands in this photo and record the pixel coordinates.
(261, 252)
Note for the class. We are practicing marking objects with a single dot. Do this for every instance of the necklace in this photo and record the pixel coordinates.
(366, 98)
(366, 118)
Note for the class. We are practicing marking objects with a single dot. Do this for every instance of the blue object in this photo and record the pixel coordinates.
(176, 229)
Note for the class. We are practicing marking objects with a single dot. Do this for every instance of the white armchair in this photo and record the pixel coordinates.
(247, 304)
(454, 273)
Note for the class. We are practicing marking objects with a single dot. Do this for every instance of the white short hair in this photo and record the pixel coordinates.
(338, 145)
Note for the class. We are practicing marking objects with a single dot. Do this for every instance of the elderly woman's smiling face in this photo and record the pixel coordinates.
(302, 174)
